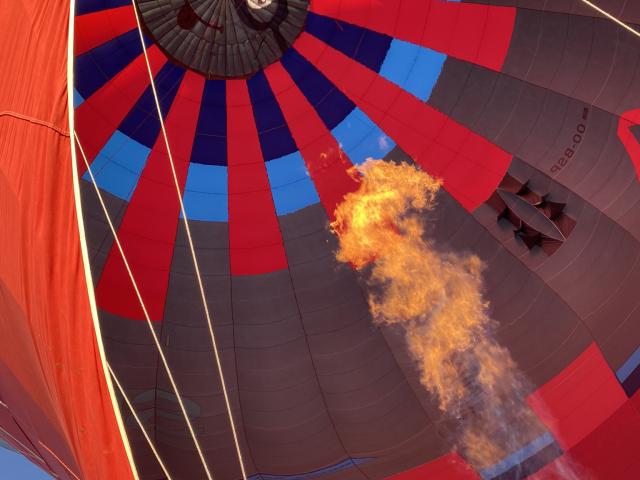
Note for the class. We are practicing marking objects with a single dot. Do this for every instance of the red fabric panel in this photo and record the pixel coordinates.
(48, 341)
(154, 207)
(578, 399)
(325, 160)
(592, 419)
(479, 34)
(22, 420)
(471, 166)
(11, 434)
(631, 144)
(609, 452)
(254, 234)
(448, 467)
(94, 29)
(100, 115)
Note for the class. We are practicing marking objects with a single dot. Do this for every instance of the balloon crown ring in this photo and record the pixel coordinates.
(223, 38)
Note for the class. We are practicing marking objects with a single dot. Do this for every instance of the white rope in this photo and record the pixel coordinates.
(82, 240)
(192, 248)
(139, 422)
(144, 310)
(611, 17)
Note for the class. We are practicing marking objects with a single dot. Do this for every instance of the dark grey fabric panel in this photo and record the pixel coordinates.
(133, 356)
(539, 126)
(520, 302)
(288, 426)
(373, 406)
(184, 303)
(407, 455)
(575, 57)
(593, 60)
(593, 272)
(188, 346)
(626, 10)
(515, 293)
(510, 286)
(589, 272)
(185, 340)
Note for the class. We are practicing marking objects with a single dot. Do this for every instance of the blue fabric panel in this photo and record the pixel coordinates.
(291, 185)
(364, 46)
(210, 143)
(414, 68)
(142, 124)
(518, 457)
(90, 6)
(205, 194)
(275, 138)
(338, 467)
(360, 138)
(77, 99)
(119, 164)
(329, 102)
(629, 366)
(96, 67)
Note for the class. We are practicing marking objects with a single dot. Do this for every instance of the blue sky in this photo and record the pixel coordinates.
(14, 466)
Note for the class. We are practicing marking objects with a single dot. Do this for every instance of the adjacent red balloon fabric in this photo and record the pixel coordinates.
(55, 407)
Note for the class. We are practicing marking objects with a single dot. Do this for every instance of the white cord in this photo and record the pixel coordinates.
(192, 248)
(611, 17)
(144, 310)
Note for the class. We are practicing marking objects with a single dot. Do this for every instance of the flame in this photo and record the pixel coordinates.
(437, 297)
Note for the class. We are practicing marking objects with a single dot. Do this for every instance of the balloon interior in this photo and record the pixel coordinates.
(321, 239)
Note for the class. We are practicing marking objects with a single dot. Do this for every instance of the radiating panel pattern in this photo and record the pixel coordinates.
(526, 110)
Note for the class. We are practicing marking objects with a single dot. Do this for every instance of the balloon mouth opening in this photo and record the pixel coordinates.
(223, 38)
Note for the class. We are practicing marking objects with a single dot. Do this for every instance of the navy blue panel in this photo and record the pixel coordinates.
(141, 124)
(98, 66)
(89, 6)
(532, 464)
(275, 138)
(210, 143)
(367, 47)
(632, 383)
(329, 102)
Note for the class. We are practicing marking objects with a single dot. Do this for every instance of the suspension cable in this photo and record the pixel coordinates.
(144, 310)
(196, 265)
(611, 17)
(139, 422)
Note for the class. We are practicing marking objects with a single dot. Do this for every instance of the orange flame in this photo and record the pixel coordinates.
(437, 298)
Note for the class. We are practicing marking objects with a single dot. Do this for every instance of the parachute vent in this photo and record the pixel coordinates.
(559, 226)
